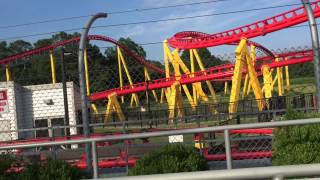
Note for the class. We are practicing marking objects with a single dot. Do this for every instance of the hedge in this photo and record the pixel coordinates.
(297, 144)
(50, 169)
(170, 159)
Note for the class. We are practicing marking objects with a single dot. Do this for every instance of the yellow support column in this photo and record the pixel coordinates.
(287, 76)
(148, 78)
(245, 86)
(254, 81)
(166, 58)
(8, 73)
(53, 68)
(211, 89)
(177, 64)
(113, 106)
(162, 95)
(134, 97)
(267, 81)
(237, 75)
(279, 79)
(194, 90)
(86, 71)
(166, 91)
(175, 60)
(120, 74)
(243, 57)
(175, 102)
(226, 88)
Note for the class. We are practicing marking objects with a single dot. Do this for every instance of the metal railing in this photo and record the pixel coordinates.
(275, 172)
(225, 129)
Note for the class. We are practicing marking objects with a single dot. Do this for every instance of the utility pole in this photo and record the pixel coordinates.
(64, 89)
(315, 47)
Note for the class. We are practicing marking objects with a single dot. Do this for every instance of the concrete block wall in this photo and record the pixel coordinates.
(30, 103)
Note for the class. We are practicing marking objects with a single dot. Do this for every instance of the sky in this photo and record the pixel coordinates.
(26, 11)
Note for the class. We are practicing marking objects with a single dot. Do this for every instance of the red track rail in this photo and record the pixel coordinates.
(264, 131)
(219, 72)
(121, 161)
(136, 57)
(194, 40)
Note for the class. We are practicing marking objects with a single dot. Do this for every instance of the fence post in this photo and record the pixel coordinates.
(94, 160)
(274, 115)
(127, 156)
(228, 148)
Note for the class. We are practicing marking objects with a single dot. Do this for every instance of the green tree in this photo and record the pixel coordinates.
(207, 58)
(20, 46)
(4, 49)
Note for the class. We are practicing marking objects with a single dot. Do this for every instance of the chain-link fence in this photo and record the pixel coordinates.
(116, 154)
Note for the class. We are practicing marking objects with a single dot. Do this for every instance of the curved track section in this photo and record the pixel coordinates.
(194, 34)
(136, 57)
(194, 40)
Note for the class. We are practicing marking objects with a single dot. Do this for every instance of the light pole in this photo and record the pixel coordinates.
(82, 84)
(64, 89)
(315, 47)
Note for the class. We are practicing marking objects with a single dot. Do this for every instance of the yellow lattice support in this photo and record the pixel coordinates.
(8, 73)
(134, 97)
(202, 68)
(175, 102)
(267, 81)
(53, 67)
(148, 78)
(113, 106)
(244, 58)
(176, 62)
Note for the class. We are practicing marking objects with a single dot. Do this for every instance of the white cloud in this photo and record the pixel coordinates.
(133, 31)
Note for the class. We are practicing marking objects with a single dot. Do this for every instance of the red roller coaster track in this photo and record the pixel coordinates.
(194, 40)
(136, 57)
(220, 72)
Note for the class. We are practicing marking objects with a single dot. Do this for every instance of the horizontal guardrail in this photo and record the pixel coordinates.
(111, 138)
(170, 133)
(275, 172)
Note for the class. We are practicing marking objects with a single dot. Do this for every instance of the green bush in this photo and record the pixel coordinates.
(170, 159)
(51, 169)
(5, 163)
(297, 144)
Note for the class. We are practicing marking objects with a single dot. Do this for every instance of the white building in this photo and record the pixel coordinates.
(25, 107)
